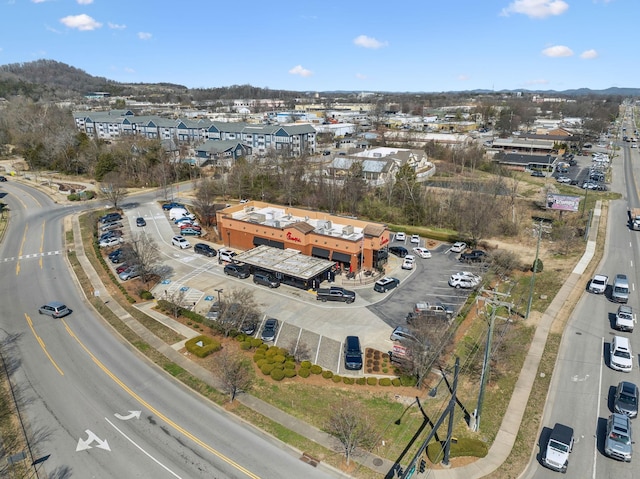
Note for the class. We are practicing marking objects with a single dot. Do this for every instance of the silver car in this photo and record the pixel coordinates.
(617, 443)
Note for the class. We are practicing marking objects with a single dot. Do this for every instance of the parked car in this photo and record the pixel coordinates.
(190, 231)
(111, 226)
(620, 355)
(188, 219)
(537, 174)
(563, 179)
(109, 242)
(240, 271)
(618, 442)
(625, 400)
(269, 330)
(180, 241)
(130, 273)
(422, 252)
(122, 267)
(3, 178)
(402, 333)
(55, 309)
(415, 239)
(624, 318)
(474, 256)
(620, 289)
(598, 285)
(399, 251)
(409, 262)
(225, 254)
(171, 205)
(140, 221)
(110, 234)
(385, 284)
(204, 249)
(464, 279)
(189, 224)
(352, 353)
(110, 218)
(265, 279)
(556, 454)
(400, 236)
(458, 247)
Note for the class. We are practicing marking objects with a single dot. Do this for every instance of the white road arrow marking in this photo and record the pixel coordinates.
(83, 445)
(576, 378)
(131, 415)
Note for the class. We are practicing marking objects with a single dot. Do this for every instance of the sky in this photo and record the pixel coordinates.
(326, 45)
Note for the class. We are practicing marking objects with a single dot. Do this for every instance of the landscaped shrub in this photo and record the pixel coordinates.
(262, 346)
(408, 381)
(347, 380)
(266, 369)
(361, 381)
(327, 374)
(396, 382)
(384, 382)
(537, 266)
(195, 317)
(305, 364)
(289, 373)
(278, 358)
(371, 381)
(277, 374)
(274, 351)
(257, 356)
(261, 362)
(245, 345)
(257, 343)
(146, 295)
(277, 365)
(289, 365)
(315, 369)
(209, 345)
(304, 372)
(336, 379)
(241, 337)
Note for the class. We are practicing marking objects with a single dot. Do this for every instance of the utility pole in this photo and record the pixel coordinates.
(533, 275)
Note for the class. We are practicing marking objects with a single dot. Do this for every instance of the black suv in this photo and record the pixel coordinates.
(352, 353)
(238, 270)
(265, 279)
(385, 284)
(473, 256)
(398, 251)
(110, 218)
(205, 249)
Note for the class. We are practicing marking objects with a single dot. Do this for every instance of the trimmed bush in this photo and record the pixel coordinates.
(327, 374)
(261, 362)
(336, 379)
(384, 382)
(347, 380)
(209, 345)
(146, 295)
(266, 369)
(361, 381)
(257, 356)
(371, 381)
(305, 364)
(304, 372)
(315, 369)
(396, 382)
(277, 374)
(290, 365)
(279, 358)
(262, 346)
(408, 381)
(245, 345)
(278, 365)
(241, 337)
(289, 373)
(256, 342)
(537, 266)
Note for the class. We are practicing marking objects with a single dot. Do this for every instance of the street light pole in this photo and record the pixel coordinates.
(219, 291)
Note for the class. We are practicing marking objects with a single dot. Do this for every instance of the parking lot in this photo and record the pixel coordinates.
(306, 324)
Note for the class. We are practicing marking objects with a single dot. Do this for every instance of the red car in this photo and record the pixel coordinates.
(191, 226)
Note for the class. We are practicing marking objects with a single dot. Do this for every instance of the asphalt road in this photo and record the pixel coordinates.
(92, 403)
(583, 384)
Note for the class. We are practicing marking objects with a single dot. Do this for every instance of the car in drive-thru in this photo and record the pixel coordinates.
(556, 454)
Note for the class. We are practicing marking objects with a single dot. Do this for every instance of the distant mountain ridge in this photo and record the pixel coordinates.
(50, 79)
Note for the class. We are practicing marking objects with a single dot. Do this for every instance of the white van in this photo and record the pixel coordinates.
(177, 213)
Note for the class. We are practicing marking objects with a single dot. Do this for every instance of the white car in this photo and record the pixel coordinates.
(180, 241)
(563, 179)
(458, 247)
(415, 239)
(400, 236)
(408, 262)
(464, 279)
(422, 252)
(113, 241)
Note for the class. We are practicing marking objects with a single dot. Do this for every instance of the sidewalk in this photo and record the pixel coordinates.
(505, 439)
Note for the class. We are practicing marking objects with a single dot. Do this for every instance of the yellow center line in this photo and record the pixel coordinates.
(42, 345)
(175, 426)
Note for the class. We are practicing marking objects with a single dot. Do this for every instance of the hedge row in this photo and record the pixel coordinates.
(209, 345)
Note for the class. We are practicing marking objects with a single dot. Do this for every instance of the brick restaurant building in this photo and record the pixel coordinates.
(351, 243)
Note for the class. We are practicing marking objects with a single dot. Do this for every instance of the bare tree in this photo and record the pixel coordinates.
(422, 351)
(113, 188)
(144, 253)
(238, 309)
(205, 200)
(235, 373)
(351, 428)
(177, 300)
(299, 350)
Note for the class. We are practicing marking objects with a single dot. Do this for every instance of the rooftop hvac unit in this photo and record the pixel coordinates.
(328, 225)
(249, 209)
(257, 218)
(276, 224)
(320, 231)
(347, 230)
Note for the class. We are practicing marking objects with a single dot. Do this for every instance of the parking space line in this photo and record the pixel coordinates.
(318, 350)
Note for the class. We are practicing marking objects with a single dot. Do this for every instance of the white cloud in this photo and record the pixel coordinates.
(589, 54)
(536, 8)
(115, 26)
(38, 1)
(129, 70)
(144, 36)
(299, 70)
(81, 22)
(361, 76)
(84, 2)
(463, 77)
(557, 51)
(368, 42)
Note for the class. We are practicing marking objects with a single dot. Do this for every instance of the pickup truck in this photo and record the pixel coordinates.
(634, 219)
(624, 318)
(473, 256)
(427, 310)
(336, 294)
(598, 284)
(556, 455)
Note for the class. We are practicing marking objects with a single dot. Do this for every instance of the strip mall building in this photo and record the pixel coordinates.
(351, 243)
